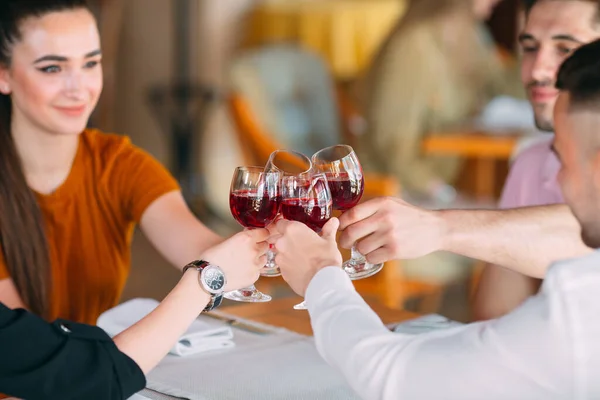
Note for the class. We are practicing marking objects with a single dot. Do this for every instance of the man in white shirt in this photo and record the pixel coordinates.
(548, 348)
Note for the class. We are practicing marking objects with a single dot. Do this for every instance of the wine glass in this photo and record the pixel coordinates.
(285, 162)
(345, 178)
(306, 198)
(288, 162)
(254, 202)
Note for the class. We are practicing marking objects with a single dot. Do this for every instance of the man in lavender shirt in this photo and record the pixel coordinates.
(532, 178)
(524, 240)
(546, 40)
(531, 182)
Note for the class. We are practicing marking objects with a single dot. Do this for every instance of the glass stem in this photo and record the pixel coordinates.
(248, 291)
(270, 257)
(356, 255)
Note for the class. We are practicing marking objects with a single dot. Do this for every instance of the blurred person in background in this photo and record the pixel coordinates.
(436, 71)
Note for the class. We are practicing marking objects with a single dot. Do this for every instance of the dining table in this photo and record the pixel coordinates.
(278, 313)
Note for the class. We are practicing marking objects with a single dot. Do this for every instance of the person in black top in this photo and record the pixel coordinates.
(66, 360)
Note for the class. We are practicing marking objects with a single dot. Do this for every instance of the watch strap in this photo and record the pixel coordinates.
(197, 264)
(215, 299)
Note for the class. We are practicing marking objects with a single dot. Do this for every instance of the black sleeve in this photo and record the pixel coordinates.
(62, 360)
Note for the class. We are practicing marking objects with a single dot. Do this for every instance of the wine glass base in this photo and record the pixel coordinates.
(248, 296)
(301, 306)
(361, 269)
(270, 271)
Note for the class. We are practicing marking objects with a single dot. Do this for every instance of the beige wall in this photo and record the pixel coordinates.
(146, 59)
(219, 25)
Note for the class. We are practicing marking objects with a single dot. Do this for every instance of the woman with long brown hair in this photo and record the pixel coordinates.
(69, 200)
(70, 197)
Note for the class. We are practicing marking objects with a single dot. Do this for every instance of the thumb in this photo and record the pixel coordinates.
(258, 234)
(281, 226)
(330, 229)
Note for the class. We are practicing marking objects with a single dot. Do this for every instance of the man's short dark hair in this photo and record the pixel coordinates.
(528, 5)
(579, 76)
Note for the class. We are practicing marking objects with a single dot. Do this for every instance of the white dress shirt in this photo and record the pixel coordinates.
(549, 348)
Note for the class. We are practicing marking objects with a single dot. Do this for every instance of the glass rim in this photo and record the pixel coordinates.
(330, 148)
(254, 168)
(294, 152)
(308, 176)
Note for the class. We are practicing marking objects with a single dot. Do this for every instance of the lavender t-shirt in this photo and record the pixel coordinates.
(532, 178)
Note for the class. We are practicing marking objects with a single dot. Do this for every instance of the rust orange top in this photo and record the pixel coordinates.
(90, 220)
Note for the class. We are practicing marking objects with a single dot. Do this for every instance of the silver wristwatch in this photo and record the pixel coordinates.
(212, 280)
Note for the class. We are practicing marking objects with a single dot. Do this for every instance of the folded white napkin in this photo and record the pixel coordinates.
(426, 323)
(201, 336)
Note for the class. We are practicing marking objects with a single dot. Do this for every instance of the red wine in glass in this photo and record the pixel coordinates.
(306, 198)
(346, 190)
(253, 210)
(254, 200)
(345, 177)
(305, 211)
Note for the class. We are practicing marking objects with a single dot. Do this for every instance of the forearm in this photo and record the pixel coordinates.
(344, 325)
(191, 245)
(501, 290)
(149, 340)
(175, 231)
(378, 364)
(525, 240)
(182, 246)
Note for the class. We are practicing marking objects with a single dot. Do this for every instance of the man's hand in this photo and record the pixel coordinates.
(241, 257)
(301, 253)
(388, 228)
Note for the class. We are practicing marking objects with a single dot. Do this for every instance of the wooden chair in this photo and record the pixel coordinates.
(257, 143)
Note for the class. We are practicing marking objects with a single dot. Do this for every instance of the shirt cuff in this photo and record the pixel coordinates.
(327, 280)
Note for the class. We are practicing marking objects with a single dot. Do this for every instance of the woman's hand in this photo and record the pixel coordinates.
(241, 257)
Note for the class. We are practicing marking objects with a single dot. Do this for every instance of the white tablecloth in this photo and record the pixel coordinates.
(281, 365)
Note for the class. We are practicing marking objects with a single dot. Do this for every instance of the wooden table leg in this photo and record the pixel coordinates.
(485, 178)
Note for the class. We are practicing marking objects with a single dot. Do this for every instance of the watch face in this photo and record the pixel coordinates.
(214, 279)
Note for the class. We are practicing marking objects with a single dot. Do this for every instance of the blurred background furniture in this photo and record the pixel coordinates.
(110, 23)
(486, 149)
(345, 33)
